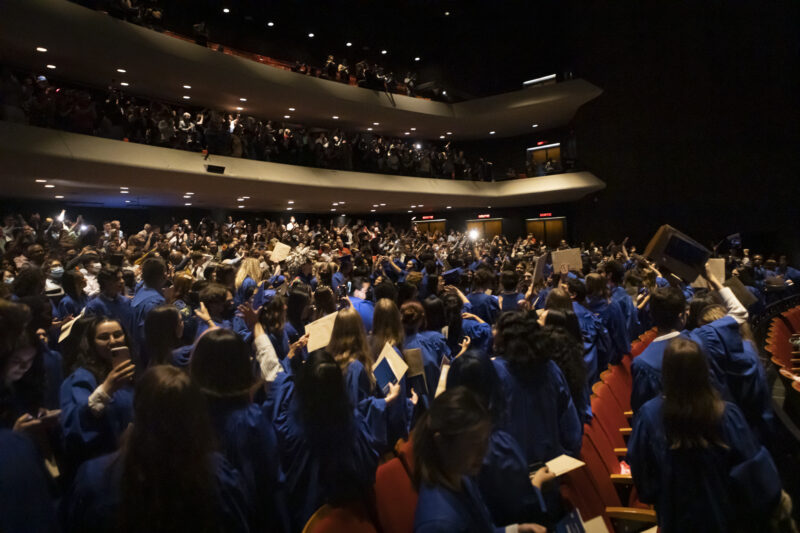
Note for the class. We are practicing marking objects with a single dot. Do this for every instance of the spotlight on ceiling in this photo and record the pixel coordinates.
(41, 49)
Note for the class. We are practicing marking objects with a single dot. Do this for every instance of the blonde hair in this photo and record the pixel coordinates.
(250, 267)
(349, 342)
(714, 312)
(387, 326)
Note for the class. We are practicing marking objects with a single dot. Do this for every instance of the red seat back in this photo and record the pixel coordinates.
(328, 519)
(620, 383)
(608, 415)
(395, 498)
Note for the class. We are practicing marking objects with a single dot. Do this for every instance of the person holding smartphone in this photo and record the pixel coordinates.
(97, 396)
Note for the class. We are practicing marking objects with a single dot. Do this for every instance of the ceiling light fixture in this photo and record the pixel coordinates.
(371, 210)
(492, 132)
(446, 13)
(413, 206)
(348, 44)
(335, 203)
(535, 126)
(186, 97)
(270, 24)
(441, 136)
(189, 193)
(384, 52)
(310, 35)
(51, 67)
(241, 207)
(287, 116)
(127, 201)
(41, 49)
(59, 196)
(374, 205)
(41, 181)
(407, 133)
(416, 58)
(369, 129)
(449, 132)
(334, 209)
(49, 186)
(242, 99)
(290, 202)
(410, 211)
(124, 192)
(246, 197)
(188, 203)
(121, 70)
(124, 83)
(239, 108)
(291, 109)
(187, 196)
(226, 10)
(335, 117)
(187, 86)
(383, 205)
(413, 129)
(449, 207)
(376, 123)
(289, 208)
(123, 187)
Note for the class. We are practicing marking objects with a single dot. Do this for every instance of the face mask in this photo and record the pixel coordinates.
(57, 272)
(9, 280)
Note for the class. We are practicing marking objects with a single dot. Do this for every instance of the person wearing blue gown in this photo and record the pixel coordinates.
(433, 348)
(220, 309)
(111, 302)
(359, 302)
(694, 457)
(26, 503)
(594, 331)
(735, 371)
(484, 305)
(221, 367)
(97, 397)
(615, 274)
(559, 300)
(460, 322)
(450, 442)
(504, 481)
(306, 275)
(273, 319)
(163, 329)
(599, 302)
(508, 299)
(166, 476)
(247, 278)
(74, 299)
(328, 452)
(541, 414)
(154, 276)
(297, 311)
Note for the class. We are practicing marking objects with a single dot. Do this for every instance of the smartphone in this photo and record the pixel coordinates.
(119, 354)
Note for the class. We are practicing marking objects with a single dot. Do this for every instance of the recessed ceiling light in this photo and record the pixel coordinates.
(407, 133)
(444, 93)
(416, 58)
(449, 132)
(441, 136)
(449, 207)
(240, 199)
(190, 193)
(246, 197)
(51, 67)
(290, 202)
(242, 99)
(187, 195)
(41, 49)
(334, 209)
(239, 108)
(226, 10)
(418, 146)
(186, 97)
(121, 70)
(348, 44)
(410, 211)
(291, 109)
(335, 203)
(446, 13)
(371, 210)
(124, 83)
(124, 192)
(287, 116)
(413, 129)
(188, 203)
(335, 117)
(384, 52)
(127, 201)
(187, 86)
(49, 186)
(369, 129)
(241, 207)
(420, 205)
(535, 126)
(376, 123)
(41, 181)
(374, 205)
(123, 187)
(341, 203)
(270, 24)
(383, 205)
(492, 132)
(413, 206)
(289, 208)
(59, 196)
(310, 35)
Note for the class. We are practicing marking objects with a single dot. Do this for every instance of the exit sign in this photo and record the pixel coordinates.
(545, 214)
(427, 217)
(485, 215)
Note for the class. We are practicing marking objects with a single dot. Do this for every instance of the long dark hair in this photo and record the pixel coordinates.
(434, 313)
(273, 316)
(221, 364)
(455, 324)
(514, 342)
(160, 333)
(692, 406)
(567, 352)
(475, 371)
(564, 319)
(324, 405)
(453, 414)
(167, 478)
(69, 282)
(297, 305)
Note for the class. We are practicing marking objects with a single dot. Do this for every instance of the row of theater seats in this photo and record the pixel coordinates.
(786, 357)
(603, 488)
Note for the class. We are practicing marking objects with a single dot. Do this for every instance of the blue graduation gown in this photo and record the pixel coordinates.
(118, 308)
(54, 376)
(510, 300)
(613, 320)
(247, 440)
(365, 309)
(26, 505)
(336, 280)
(629, 311)
(709, 490)
(182, 356)
(70, 306)
(145, 299)
(433, 347)
(484, 306)
(440, 510)
(541, 415)
(595, 344)
(541, 298)
(505, 485)
(92, 504)
(263, 295)
(316, 475)
(245, 290)
(86, 435)
(294, 333)
(480, 334)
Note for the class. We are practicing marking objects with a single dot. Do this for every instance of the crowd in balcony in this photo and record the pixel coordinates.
(114, 114)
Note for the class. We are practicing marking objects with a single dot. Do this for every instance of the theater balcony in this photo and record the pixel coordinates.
(40, 163)
(160, 66)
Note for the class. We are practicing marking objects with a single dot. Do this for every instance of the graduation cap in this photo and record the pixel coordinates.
(452, 277)
(278, 281)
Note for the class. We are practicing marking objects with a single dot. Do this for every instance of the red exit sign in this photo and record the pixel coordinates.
(427, 217)
(545, 214)
(485, 215)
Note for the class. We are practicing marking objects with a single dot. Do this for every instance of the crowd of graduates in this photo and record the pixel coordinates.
(160, 379)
